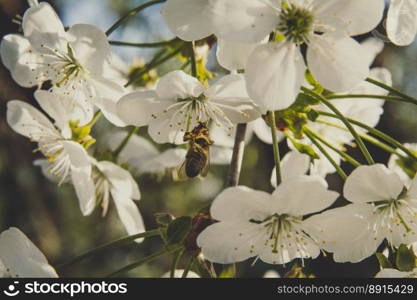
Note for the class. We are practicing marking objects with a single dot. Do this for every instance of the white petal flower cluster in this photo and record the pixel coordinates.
(381, 209)
(270, 227)
(275, 70)
(73, 61)
(297, 72)
(180, 101)
(76, 62)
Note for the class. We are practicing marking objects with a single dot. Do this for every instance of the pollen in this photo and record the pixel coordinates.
(295, 24)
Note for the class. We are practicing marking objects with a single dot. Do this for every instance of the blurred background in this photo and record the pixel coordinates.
(50, 216)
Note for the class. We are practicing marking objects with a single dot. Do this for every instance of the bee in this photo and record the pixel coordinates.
(197, 159)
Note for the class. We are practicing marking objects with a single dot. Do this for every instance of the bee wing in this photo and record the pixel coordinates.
(182, 175)
(206, 167)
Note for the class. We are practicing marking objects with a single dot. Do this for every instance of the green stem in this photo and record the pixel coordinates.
(125, 141)
(144, 45)
(154, 63)
(175, 263)
(193, 60)
(346, 156)
(96, 117)
(112, 244)
(364, 136)
(277, 159)
(376, 132)
(131, 13)
(352, 130)
(389, 98)
(392, 90)
(144, 261)
(188, 267)
(339, 170)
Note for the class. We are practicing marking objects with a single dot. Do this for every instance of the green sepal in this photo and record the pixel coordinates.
(178, 230)
(317, 87)
(305, 149)
(405, 258)
(383, 261)
(164, 219)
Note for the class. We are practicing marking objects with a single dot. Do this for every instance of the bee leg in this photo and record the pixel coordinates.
(187, 136)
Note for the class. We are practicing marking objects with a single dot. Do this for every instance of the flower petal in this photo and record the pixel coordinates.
(137, 108)
(241, 204)
(372, 183)
(274, 74)
(372, 47)
(21, 257)
(106, 96)
(28, 121)
(293, 164)
(394, 273)
(90, 47)
(229, 95)
(246, 21)
(263, 131)
(290, 250)
(357, 17)
(345, 231)
(62, 109)
(137, 151)
(302, 195)
(229, 242)
(339, 63)
(42, 26)
(121, 180)
(129, 214)
(233, 55)
(188, 19)
(81, 176)
(18, 56)
(178, 85)
(402, 22)
(167, 159)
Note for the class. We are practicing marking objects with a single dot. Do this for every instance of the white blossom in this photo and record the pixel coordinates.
(180, 101)
(381, 209)
(74, 61)
(19, 257)
(271, 227)
(57, 142)
(112, 181)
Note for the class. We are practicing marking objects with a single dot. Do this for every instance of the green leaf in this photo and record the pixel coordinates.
(178, 230)
(405, 259)
(383, 261)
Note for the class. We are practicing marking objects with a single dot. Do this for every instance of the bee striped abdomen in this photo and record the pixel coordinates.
(195, 163)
